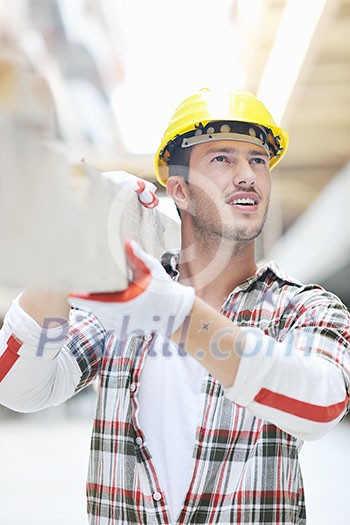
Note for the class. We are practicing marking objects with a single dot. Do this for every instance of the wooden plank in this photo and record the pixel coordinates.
(51, 236)
(53, 239)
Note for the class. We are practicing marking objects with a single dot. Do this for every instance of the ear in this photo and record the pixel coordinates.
(177, 189)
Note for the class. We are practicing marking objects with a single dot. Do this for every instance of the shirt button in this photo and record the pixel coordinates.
(139, 440)
(132, 387)
(78, 317)
(157, 496)
(148, 337)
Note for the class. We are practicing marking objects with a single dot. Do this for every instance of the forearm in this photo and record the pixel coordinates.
(302, 393)
(45, 307)
(213, 340)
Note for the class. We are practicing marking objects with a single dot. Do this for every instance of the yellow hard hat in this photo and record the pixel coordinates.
(211, 115)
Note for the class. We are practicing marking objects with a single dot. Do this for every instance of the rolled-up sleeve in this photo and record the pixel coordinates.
(301, 381)
(41, 367)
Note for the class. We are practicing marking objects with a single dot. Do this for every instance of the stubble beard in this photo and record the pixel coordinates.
(211, 225)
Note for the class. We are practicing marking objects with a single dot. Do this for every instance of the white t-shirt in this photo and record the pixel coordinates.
(170, 407)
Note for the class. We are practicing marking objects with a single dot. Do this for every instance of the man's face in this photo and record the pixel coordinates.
(230, 185)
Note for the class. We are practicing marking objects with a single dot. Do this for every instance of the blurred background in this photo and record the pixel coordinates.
(117, 69)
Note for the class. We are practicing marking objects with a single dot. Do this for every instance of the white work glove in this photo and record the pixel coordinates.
(146, 192)
(153, 302)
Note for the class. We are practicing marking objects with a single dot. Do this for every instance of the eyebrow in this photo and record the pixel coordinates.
(234, 150)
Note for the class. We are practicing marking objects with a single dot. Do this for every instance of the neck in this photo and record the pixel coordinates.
(214, 267)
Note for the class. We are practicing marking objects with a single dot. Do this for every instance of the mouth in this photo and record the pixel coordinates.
(247, 202)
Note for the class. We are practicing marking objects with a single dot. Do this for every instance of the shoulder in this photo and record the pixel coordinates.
(305, 292)
(309, 304)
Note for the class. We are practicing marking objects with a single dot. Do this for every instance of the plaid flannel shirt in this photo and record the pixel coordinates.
(245, 469)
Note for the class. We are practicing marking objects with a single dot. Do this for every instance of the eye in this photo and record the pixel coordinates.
(260, 160)
(219, 158)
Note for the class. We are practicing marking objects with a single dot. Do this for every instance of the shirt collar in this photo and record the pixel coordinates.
(170, 260)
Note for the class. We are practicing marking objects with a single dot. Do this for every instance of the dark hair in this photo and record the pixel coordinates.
(179, 162)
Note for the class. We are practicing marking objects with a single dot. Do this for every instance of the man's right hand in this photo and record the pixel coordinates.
(152, 302)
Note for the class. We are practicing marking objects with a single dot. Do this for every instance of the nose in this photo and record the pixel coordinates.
(243, 174)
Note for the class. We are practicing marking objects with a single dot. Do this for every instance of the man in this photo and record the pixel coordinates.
(211, 375)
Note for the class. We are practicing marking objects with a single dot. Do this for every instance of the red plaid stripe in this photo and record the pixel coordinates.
(246, 470)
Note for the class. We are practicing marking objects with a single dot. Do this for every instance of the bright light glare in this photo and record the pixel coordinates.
(297, 27)
(172, 49)
(249, 12)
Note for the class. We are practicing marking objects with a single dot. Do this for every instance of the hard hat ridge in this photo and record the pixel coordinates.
(209, 115)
